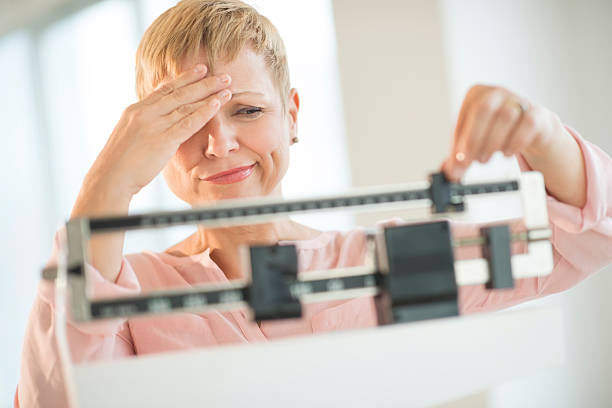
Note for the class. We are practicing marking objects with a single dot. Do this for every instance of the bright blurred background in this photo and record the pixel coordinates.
(380, 83)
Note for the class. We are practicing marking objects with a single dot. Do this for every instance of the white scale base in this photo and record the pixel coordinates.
(406, 365)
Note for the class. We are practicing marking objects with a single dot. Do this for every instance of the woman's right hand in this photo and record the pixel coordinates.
(150, 131)
(145, 139)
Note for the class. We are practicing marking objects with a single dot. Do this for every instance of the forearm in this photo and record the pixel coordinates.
(101, 197)
(562, 165)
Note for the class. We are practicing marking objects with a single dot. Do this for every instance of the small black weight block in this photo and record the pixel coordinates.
(273, 270)
(497, 252)
(440, 194)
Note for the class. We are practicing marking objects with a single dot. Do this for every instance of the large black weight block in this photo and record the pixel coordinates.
(420, 283)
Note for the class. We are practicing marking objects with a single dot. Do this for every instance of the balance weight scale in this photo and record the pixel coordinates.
(420, 354)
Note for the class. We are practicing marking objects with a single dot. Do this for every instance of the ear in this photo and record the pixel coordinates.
(293, 106)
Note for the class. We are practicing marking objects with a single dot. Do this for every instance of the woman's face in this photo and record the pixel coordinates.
(250, 129)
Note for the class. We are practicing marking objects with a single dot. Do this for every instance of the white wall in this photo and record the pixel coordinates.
(24, 225)
(394, 89)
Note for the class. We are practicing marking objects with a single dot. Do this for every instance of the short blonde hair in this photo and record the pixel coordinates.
(220, 27)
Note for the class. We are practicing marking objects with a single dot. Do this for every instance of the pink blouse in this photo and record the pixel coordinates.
(582, 241)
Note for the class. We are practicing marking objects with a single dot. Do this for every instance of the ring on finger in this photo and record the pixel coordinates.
(522, 106)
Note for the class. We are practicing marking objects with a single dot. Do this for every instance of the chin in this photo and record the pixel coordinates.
(226, 195)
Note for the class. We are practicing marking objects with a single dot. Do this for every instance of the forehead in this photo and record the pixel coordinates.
(248, 70)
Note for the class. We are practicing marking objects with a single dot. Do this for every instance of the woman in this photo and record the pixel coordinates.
(217, 116)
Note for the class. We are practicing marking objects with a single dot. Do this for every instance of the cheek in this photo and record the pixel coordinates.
(267, 139)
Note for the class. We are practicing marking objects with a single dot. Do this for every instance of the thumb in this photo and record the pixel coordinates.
(450, 164)
(448, 170)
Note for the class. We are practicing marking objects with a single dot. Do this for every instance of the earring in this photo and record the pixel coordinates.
(295, 139)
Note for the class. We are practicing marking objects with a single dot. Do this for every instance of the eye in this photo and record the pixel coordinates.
(250, 111)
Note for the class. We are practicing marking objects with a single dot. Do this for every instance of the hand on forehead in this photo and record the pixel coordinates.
(248, 71)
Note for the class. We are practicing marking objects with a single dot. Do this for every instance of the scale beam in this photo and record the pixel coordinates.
(410, 269)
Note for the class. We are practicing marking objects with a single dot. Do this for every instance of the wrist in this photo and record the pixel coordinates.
(101, 196)
(111, 179)
(547, 148)
(563, 166)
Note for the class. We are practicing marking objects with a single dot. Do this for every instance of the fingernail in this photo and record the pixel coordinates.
(225, 78)
(199, 68)
(225, 94)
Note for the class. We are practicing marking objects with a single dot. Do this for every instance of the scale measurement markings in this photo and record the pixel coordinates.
(163, 303)
(333, 285)
(216, 213)
(167, 303)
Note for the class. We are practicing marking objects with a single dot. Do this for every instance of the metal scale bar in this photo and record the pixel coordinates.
(244, 211)
(331, 284)
(312, 286)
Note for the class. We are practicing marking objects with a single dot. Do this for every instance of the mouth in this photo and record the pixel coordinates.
(231, 176)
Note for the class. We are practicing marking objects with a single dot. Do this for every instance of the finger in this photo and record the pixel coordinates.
(454, 166)
(187, 77)
(474, 137)
(182, 111)
(506, 120)
(525, 132)
(192, 92)
(473, 94)
(191, 123)
(471, 139)
(452, 172)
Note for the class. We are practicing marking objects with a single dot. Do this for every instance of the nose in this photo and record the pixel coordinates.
(221, 139)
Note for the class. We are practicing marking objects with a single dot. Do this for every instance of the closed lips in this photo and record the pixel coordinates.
(225, 173)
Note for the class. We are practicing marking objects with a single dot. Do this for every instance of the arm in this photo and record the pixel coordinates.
(582, 238)
(577, 175)
(562, 165)
(103, 197)
(41, 381)
(494, 119)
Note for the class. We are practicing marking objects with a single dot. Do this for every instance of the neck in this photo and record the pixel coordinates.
(224, 243)
(232, 237)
